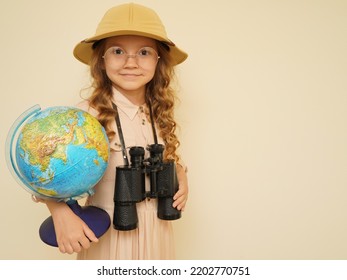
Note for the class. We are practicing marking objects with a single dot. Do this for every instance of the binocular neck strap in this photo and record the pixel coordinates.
(152, 123)
(120, 135)
(120, 132)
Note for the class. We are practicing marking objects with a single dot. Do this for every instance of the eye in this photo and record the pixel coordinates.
(145, 52)
(118, 51)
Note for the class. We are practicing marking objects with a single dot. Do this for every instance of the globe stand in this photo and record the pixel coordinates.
(96, 218)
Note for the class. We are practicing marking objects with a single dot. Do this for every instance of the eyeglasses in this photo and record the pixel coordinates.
(145, 55)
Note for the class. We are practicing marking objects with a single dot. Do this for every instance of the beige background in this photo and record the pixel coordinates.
(263, 120)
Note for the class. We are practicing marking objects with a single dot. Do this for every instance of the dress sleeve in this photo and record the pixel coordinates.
(183, 165)
(85, 106)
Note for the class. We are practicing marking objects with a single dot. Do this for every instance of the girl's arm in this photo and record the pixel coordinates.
(72, 232)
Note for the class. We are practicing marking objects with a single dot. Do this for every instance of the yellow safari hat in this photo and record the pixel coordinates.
(129, 19)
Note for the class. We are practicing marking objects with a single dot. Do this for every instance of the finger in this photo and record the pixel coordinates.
(179, 202)
(181, 206)
(90, 234)
(176, 202)
(61, 248)
(85, 243)
(76, 247)
(68, 248)
(178, 194)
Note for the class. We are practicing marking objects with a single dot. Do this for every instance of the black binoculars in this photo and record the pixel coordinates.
(130, 186)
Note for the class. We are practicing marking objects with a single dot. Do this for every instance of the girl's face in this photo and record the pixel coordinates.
(130, 63)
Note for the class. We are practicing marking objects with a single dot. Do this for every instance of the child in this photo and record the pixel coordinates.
(132, 64)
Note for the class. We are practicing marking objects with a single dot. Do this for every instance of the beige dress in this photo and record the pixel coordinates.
(153, 239)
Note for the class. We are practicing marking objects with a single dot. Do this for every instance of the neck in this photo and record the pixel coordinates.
(137, 97)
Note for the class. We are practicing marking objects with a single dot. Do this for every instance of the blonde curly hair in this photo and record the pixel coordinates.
(159, 95)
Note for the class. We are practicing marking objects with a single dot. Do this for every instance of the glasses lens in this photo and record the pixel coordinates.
(147, 54)
(115, 54)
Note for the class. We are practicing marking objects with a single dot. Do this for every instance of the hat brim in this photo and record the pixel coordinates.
(83, 51)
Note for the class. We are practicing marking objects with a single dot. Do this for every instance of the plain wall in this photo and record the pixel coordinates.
(263, 120)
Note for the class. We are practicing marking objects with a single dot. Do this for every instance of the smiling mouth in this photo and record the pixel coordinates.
(130, 75)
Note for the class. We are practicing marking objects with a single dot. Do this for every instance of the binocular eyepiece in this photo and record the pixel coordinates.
(130, 186)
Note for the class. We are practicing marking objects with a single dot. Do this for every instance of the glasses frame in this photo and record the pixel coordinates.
(127, 56)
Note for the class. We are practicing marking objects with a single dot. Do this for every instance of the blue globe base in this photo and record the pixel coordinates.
(96, 218)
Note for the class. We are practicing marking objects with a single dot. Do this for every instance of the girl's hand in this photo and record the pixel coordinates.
(72, 232)
(181, 196)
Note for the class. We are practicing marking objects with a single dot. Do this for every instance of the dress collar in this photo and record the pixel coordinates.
(124, 104)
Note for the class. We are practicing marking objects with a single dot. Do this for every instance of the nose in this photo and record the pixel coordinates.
(131, 60)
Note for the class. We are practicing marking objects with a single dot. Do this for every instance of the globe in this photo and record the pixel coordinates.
(59, 153)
